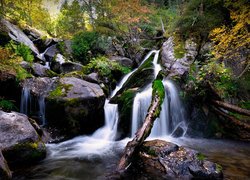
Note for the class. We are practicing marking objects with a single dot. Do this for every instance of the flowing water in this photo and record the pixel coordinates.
(25, 100)
(93, 157)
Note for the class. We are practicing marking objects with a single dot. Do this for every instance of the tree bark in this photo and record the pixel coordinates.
(231, 107)
(232, 119)
(140, 136)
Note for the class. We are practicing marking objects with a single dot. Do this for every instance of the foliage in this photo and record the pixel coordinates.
(197, 17)
(70, 20)
(10, 62)
(233, 39)
(7, 105)
(216, 75)
(104, 67)
(82, 43)
(21, 50)
(30, 12)
(179, 48)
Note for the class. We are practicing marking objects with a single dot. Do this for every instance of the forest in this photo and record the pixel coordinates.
(124, 89)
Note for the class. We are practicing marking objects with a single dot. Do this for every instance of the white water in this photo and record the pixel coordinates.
(172, 114)
(25, 100)
(41, 103)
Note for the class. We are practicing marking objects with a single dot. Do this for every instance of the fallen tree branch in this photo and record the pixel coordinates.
(231, 107)
(231, 118)
(153, 112)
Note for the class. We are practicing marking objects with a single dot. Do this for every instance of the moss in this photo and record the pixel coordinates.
(159, 90)
(218, 168)
(179, 48)
(7, 105)
(200, 157)
(51, 73)
(148, 150)
(60, 91)
(77, 74)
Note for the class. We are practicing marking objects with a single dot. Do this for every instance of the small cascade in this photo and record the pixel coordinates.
(25, 101)
(172, 117)
(41, 113)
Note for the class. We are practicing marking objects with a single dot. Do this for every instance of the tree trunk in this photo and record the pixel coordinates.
(231, 107)
(133, 146)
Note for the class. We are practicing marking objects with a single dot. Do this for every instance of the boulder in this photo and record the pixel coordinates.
(60, 65)
(123, 61)
(50, 53)
(19, 141)
(75, 106)
(175, 66)
(18, 35)
(5, 172)
(165, 160)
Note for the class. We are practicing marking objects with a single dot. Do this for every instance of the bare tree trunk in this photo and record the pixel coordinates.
(231, 107)
(141, 135)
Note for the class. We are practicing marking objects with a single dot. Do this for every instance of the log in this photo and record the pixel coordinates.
(133, 146)
(231, 107)
(154, 110)
(232, 119)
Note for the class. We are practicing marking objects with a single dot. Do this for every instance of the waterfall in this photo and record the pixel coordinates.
(172, 117)
(108, 132)
(41, 113)
(25, 100)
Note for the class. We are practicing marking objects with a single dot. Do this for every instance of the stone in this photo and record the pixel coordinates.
(19, 141)
(40, 70)
(18, 35)
(60, 65)
(176, 66)
(165, 160)
(5, 172)
(124, 61)
(75, 106)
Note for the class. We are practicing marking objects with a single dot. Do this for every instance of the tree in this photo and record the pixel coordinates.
(70, 20)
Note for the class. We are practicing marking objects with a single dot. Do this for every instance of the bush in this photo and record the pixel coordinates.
(21, 50)
(104, 67)
(82, 43)
(7, 105)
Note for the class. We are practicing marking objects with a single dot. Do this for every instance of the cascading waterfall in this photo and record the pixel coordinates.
(41, 103)
(108, 132)
(25, 100)
(172, 114)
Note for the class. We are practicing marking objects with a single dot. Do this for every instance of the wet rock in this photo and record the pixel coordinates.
(40, 70)
(177, 66)
(123, 61)
(93, 77)
(61, 65)
(166, 160)
(75, 106)
(18, 35)
(5, 172)
(50, 53)
(19, 141)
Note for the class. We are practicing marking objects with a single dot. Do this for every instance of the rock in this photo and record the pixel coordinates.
(18, 35)
(8, 86)
(75, 106)
(50, 53)
(92, 77)
(61, 65)
(5, 172)
(40, 70)
(19, 141)
(123, 61)
(177, 66)
(166, 160)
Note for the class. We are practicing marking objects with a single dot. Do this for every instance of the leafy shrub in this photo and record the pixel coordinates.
(104, 67)
(7, 105)
(21, 50)
(215, 74)
(82, 43)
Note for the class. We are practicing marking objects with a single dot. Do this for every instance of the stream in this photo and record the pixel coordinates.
(87, 158)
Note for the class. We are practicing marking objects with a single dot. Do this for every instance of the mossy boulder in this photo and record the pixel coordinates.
(20, 143)
(75, 106)
(159, 159)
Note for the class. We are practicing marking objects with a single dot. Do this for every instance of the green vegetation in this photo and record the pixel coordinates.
(159, 90)
(60, 90)
(200, 156)
(104, 67)
(7, 105)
